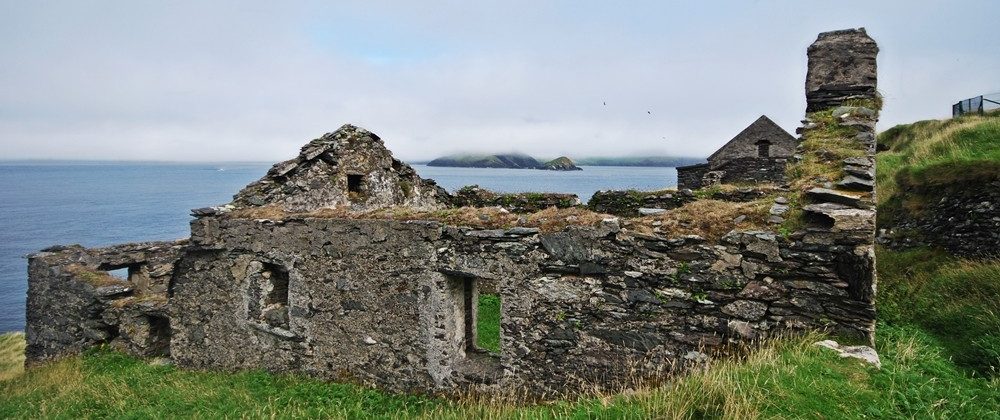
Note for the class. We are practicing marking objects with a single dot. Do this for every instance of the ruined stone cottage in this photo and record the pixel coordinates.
(757, 154)
(308, 271)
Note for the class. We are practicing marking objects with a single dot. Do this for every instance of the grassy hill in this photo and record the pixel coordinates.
(931, 153)
(938, 336)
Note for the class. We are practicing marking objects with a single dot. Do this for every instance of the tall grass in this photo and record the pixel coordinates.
(11, 355)
(955, 300)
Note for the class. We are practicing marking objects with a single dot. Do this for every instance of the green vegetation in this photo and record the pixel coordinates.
(488, 323)
(956, 301)
(11, 355)
(937, 152)
(508, 160)
(561, 164)
(824, 149)
(928, 154)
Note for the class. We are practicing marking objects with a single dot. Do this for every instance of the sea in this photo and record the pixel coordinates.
(105, 203)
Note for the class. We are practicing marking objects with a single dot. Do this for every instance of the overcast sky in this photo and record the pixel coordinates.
(242, 80)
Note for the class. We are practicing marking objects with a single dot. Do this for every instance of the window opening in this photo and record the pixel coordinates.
(763, 148)
(354, 183)
(269, 296)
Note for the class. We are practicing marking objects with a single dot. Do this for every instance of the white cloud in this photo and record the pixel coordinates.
(253, 81)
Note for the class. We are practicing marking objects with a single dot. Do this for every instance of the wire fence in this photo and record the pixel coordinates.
(977, 105)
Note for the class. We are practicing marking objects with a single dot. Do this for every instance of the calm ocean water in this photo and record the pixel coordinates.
(99, 204)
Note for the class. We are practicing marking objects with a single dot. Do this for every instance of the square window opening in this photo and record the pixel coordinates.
(124, 272)
(354, 184)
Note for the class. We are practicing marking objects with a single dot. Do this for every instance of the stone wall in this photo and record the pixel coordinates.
(362, 302)
(613, 308)
(689, 177)
(73, 303)
(750, 170)
(584, 307)
(475, 196)
(962, 218)
(630, 203)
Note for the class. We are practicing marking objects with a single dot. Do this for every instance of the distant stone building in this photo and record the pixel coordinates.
(757, 154)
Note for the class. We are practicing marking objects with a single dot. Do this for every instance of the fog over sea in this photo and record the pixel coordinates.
(104, 203)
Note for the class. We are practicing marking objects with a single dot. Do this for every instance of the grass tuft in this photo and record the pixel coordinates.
(94, 277)
(710, 219)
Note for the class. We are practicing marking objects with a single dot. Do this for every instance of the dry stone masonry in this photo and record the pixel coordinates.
(347, 168)
(393, 303)
(963, 218)
(476, 196)
(758, 154)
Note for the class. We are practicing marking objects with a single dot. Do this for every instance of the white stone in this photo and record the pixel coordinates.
(649, 212)
(863, 353)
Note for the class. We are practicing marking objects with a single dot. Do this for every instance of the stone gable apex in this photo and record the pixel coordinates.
(761, 124)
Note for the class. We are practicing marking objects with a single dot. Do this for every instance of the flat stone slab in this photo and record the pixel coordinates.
(863, 172)
(852, 182)
(844, 218)
(649, 212)
(833, 196)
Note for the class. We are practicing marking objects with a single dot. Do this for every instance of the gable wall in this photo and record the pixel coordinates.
(745, 145)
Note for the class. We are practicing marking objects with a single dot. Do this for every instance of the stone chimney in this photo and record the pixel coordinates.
(841, 67)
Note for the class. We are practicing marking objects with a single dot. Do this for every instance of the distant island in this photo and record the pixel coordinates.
(563, 163)
(509, 160)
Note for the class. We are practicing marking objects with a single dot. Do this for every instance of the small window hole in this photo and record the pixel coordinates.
(354, 183)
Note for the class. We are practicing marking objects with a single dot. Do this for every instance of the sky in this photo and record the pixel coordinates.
(254, 81)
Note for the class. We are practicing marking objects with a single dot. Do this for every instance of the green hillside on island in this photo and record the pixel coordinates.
(938, 337)
(523, 161)
(508, 160)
